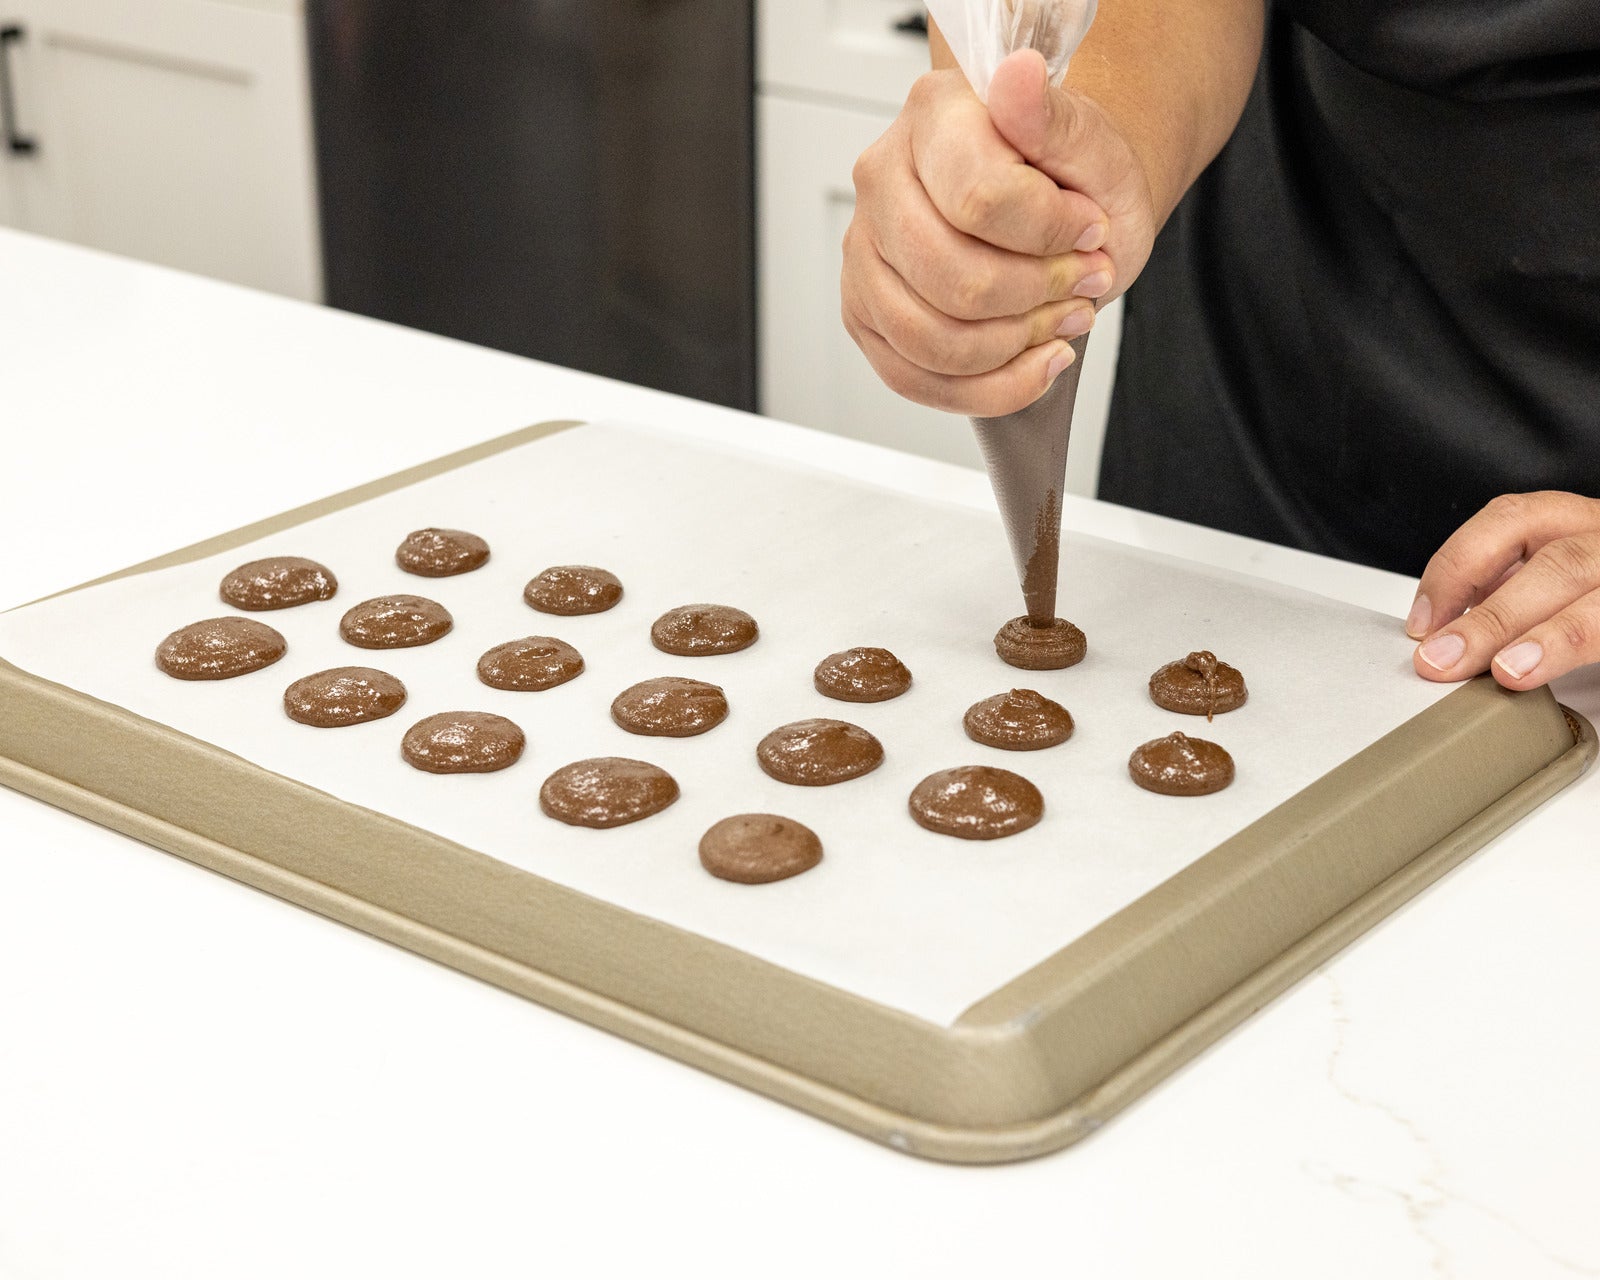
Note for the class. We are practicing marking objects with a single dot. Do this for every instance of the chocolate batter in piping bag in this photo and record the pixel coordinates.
(1025, 452)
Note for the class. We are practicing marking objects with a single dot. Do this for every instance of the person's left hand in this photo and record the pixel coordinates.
(1514, 591)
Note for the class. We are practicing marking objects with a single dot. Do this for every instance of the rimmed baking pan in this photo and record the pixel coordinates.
(1035, 1063)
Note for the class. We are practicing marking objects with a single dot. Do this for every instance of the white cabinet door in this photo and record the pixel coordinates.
(811, 371)
(177, 131)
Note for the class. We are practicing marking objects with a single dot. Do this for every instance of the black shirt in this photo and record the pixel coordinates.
(1380, 306)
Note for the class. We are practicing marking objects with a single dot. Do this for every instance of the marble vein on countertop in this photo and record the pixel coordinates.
(1428, 1195)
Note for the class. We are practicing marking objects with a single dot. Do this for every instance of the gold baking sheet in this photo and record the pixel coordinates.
(1026, 1069)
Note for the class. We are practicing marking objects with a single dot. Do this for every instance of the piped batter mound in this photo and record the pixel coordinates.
(1199, 685)
(569, 590)
(531, 664)
(463, 742)
(607, 791)
(670, 707)
(759, 848)
(1022, 720)
(219, 649)
(818, 753)
(441, 553)
(976, 802)
(1023, 644)
(700, 630)
(395, 622)
(1179, 765)
(861, 675)
(279, 582)
(343, 695)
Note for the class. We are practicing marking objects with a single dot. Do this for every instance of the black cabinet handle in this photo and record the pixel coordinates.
(913, 24)
(15, 143)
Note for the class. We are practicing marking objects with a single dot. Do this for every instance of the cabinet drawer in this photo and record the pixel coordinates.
(839, 48)
(175, 131)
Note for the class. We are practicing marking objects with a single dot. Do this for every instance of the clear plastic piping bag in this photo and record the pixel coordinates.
(981, 33)
(1025, 452)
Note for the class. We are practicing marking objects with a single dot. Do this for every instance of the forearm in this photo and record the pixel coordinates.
(1173, 79)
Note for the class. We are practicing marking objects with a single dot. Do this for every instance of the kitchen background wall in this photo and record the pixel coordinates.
(480, 161)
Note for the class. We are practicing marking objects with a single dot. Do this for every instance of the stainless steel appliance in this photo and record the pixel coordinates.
(566, 179)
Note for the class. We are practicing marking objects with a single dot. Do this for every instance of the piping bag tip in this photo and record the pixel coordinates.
(1025, 454)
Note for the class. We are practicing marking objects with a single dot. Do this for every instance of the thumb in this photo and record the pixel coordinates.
(1041, 122)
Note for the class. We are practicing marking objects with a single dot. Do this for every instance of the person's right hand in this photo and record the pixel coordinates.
(983, 236)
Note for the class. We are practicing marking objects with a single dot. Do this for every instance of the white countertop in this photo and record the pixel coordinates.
(199, 1080)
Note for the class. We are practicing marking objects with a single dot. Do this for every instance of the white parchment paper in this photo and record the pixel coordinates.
(917, 921)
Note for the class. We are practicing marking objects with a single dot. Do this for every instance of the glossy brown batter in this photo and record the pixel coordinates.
(861, 675)
(818, 753)
(278, 582)
(670, 707)
(463, 742)
(606, 792)
(395, 622)
(1021, 644)
(441, 553)
(530, 664)
(572, 589)
(343, 695)
(219, 649)
(1179, 765)
(700, 630)
(1199, 685)
(758, 848)
(1039, 578)
(976, 802)
(1022, 720)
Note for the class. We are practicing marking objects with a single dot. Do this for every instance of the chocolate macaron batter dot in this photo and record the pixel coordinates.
(818, 752)
(1021, 720)
(700, 630)
(441, 553)
(607, 791)
(531, 664)
(342, 696)
(1198, 685)
(1179, 765)
(861, 675)
(1023, 644)
(463, 742)
(278, 582)
(670, 707)
(976, 802)
(759, 848)
(570, 590)
(219, 649)
(395, 622)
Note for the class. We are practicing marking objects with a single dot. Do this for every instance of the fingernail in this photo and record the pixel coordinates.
(1443, 651)
(1092, 286)
(1092, 238)
(1078, 322)
(1418, 620)
(1520, 659)
(1062, 359)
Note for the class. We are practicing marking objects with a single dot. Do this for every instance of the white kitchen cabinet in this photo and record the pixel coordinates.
(831, 76)
(811, 370)
(840, 49)
(177, 131)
